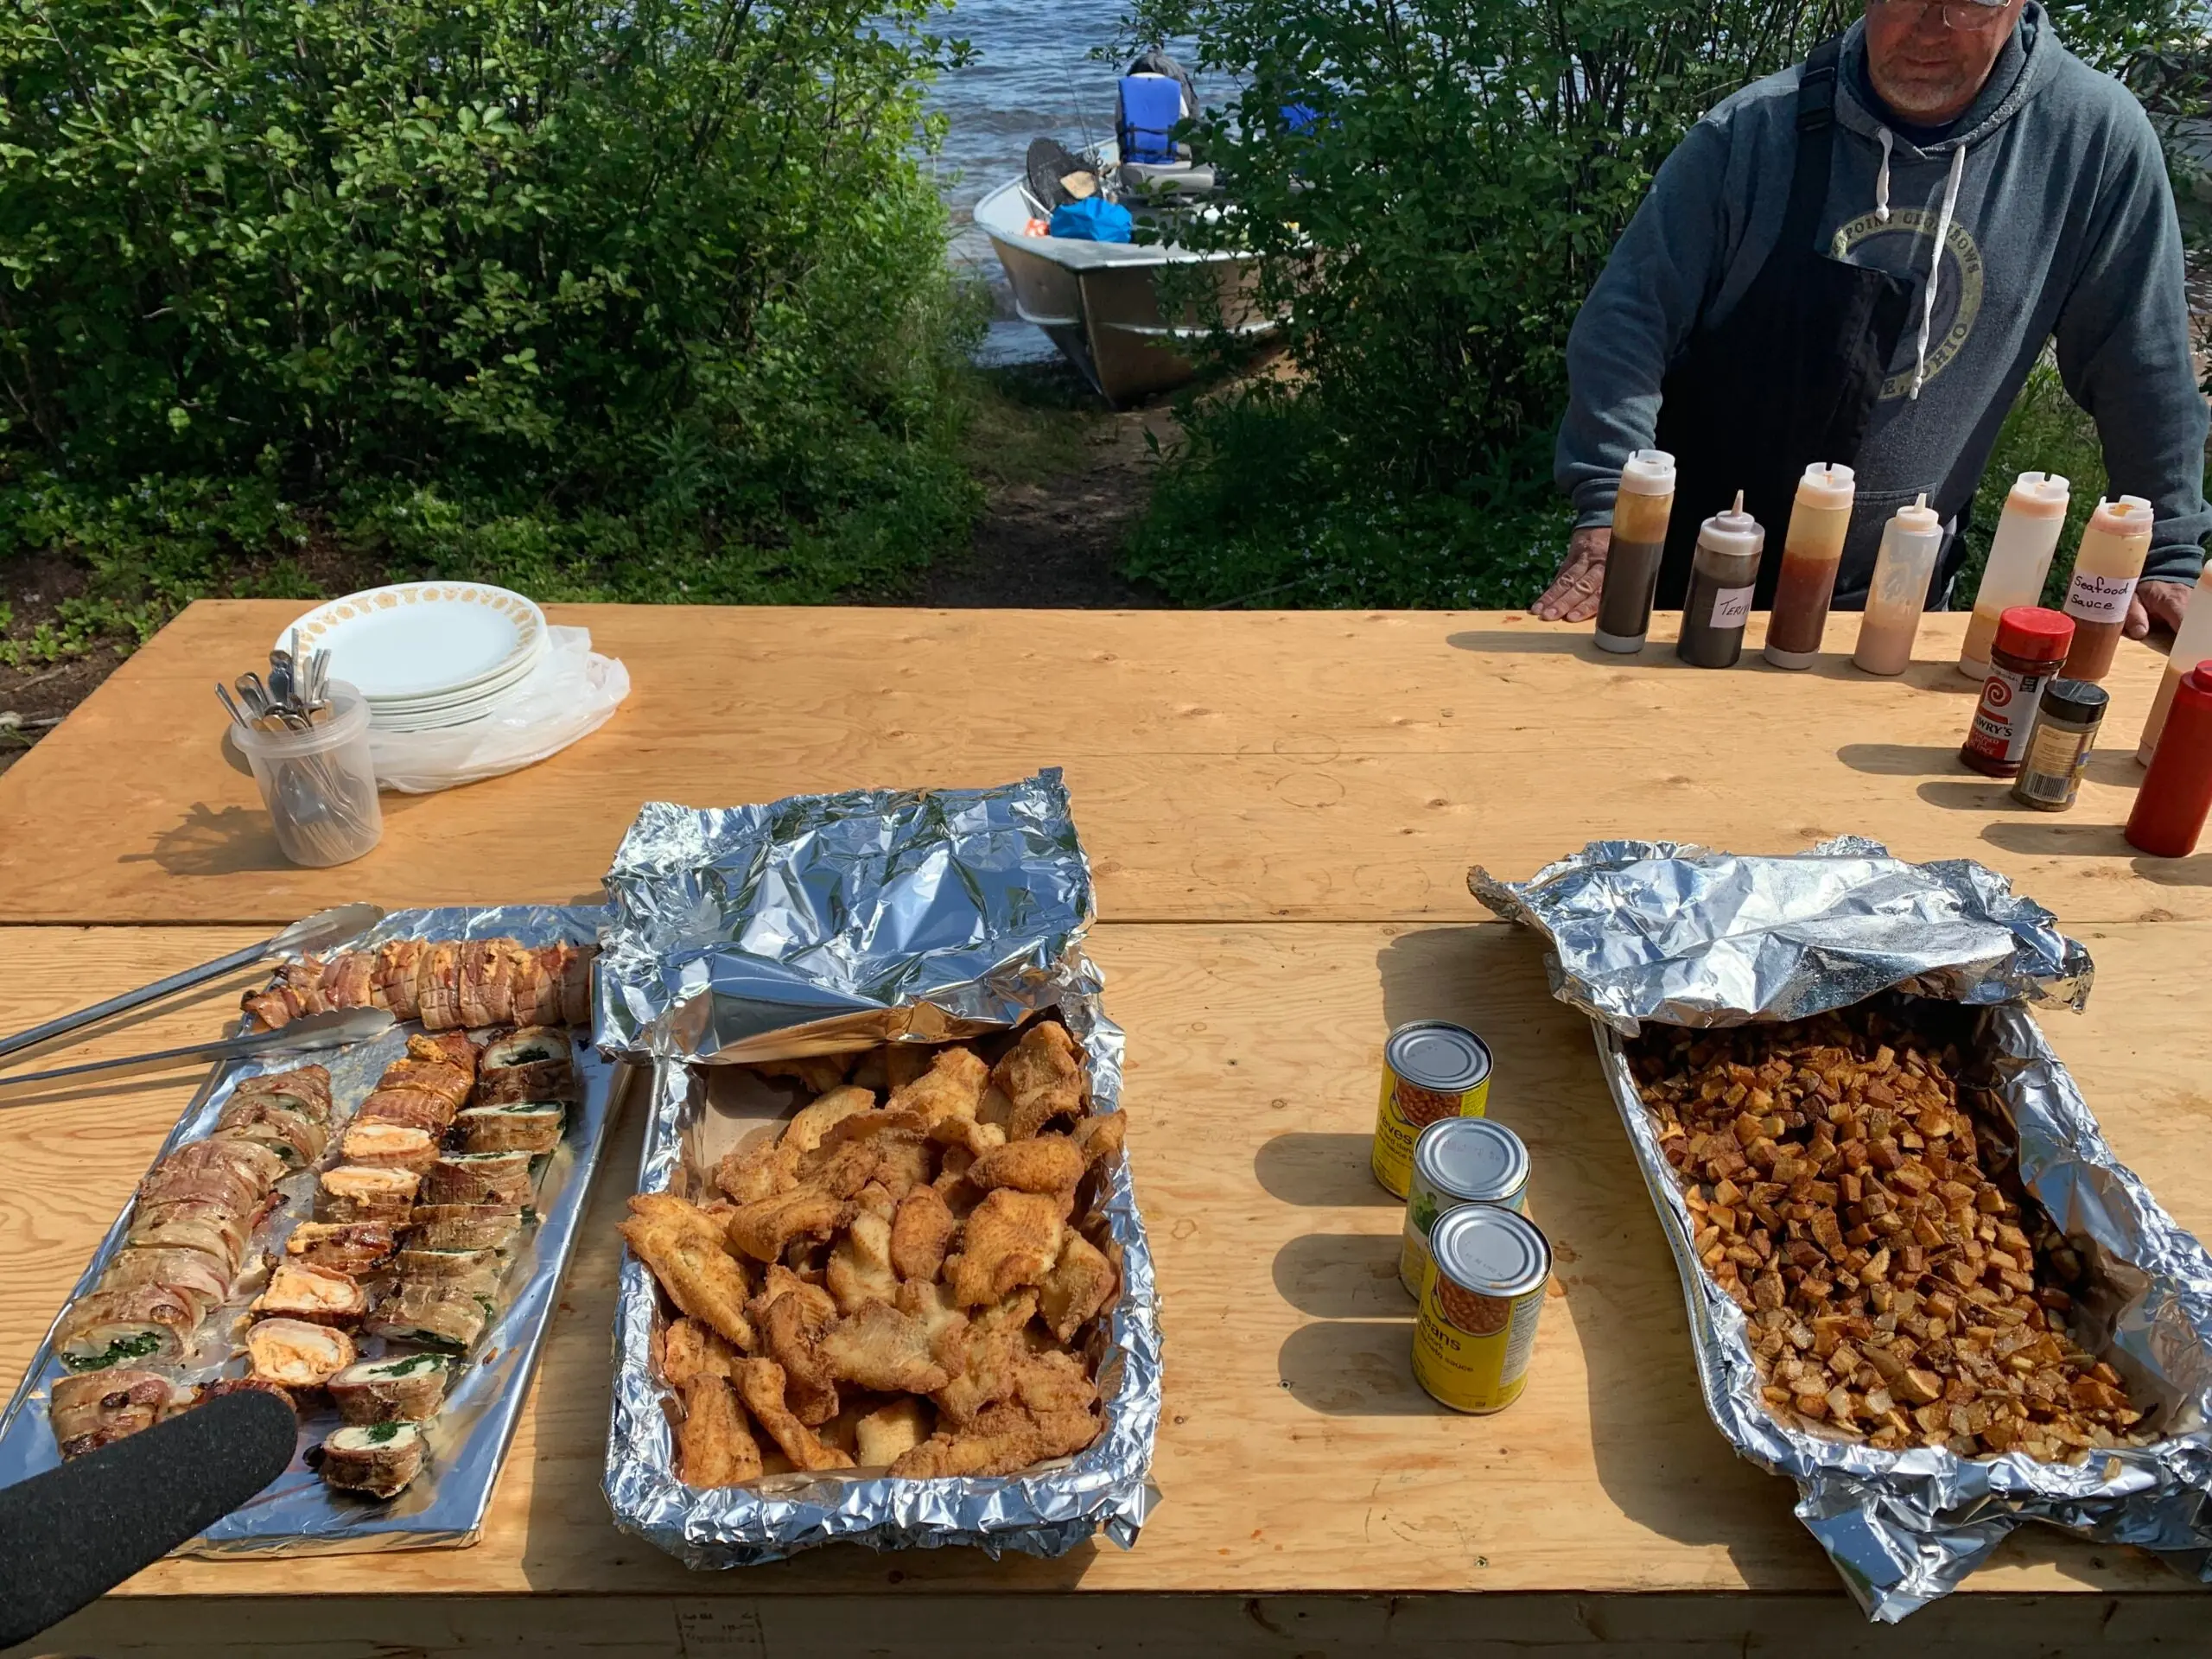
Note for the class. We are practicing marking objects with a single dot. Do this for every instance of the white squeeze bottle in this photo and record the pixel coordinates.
(2019, 559)
(1910, 545)
(2192, 645)
(2114, 548)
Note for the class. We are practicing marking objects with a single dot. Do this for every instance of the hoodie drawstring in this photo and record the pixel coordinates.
(1935, 264)
(1882, 179)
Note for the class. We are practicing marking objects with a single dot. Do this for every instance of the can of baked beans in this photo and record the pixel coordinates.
(1430, 1071)
(1460, 1161)
(1478, 1315)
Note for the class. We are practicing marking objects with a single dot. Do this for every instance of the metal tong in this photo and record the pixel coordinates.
(316, 932)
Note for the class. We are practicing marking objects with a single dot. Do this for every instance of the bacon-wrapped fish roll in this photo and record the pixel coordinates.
(484, 989)
(437, 984)
(434, 1314)
(479, 1178)
(517, 1126)
(576, 983)
(109, 1327)
(309, 1085)
(379, 1459)
(409, 1106)
(349, 981)
(319, 1295)
(442, 1076)
(197, 1277)
(239, 1172)
(101, 1408)
(389, 1146)
(216, 1230)
(268, 1121)
(367, 1192)
(396, 964)
(296, 1355)
(464, 1226)
(353, 1248)
(406, 1389)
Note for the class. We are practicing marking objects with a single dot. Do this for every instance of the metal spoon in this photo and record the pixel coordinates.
(230, 703)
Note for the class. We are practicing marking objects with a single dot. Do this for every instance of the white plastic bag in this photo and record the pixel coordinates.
(571, 694)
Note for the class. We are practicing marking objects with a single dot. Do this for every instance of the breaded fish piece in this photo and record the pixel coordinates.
(1101, 1137)
(902, 1163)
(686, 1251)
(1080, 1282)
(952, 1087)
(1052, 1382)
(971, 1137)
(860, 1265)
(993, 1352)
(1042, 1075)
(691, 1347)
(882, 1350)
(822, 1307)
(1001, 1441)
(1043, 1163)
(771, 1166)
(790, 1330)
(714, 1443)
(762, 1230)
(947, 1325)
(887, 1434)
(1011, 1240)
(921, 1233)
(760, 1385)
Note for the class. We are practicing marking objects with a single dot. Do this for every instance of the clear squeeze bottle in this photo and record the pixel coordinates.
(1810, 556)
(1722, 576)
(2192, 645)
(2019, 559)
(2114, 548)
(1641, 511)
(1910, 545)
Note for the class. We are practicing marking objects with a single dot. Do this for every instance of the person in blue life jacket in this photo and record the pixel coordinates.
(1858, 260)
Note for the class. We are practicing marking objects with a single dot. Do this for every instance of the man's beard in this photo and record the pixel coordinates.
(1926, 95)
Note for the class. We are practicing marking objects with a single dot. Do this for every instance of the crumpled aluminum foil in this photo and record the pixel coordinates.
(297, 1515)
(828, 922)
(1662, 931)
(825, 924)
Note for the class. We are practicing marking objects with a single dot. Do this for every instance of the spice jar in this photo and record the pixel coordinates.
(2192, 644)
(1811, 555)
(2114, 548)
(2176, 795)
(1911, 542)
(2019, 560)
(1641, 512)
(1722, 576)
(2031, 644)
(2058, 749)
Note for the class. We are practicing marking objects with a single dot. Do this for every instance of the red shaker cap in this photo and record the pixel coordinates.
(2199, 679)
(2030, 631)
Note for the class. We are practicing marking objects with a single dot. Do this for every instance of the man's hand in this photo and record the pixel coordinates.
(2163, 603)
(1573, 596)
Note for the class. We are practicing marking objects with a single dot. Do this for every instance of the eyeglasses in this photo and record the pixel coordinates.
(1953, 14)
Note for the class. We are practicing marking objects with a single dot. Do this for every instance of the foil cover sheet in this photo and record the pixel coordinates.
(851, 919)
(825, 922)
(445, 1508)
(1703, 938)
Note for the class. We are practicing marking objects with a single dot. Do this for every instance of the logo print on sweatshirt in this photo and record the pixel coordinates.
(1901, 247)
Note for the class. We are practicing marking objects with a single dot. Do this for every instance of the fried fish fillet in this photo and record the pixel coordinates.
(1100, 1138)
(771, 1166)
(1043, 1163)
(1000, 1441)
(1080, 1282)
(782, 1282)
(888, 1433)
(691, 1347)
(1011, 1240)
(991, 1356)
(762, 1230)
(790, 1330)
(714, 1445)
(1042, 1075)
(760, 1385)
(952, 1087)
(946, 1324)
(920, 1233)
(1052, 1382)
(973, 1137)
(860, 1264)
(881, 1349)
(685, 1250)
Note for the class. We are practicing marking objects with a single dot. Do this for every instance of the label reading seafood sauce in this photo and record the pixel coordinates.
(2099, 599)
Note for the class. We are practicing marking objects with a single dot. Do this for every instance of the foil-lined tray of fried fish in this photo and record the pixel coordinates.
(377, 1239)
(895, 1294)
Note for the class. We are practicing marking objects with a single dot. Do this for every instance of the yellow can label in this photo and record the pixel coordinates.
(1471, 1352)
(1403, 1112)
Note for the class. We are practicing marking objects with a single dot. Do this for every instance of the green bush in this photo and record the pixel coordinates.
(599, 295)
(1431, 238)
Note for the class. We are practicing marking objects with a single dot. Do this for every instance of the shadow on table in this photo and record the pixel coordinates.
(1318, 1171)
(215, 841)
(1343, 1277)
(2055, 837)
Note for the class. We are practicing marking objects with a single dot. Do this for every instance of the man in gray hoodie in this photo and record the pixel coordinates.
(1778, 299)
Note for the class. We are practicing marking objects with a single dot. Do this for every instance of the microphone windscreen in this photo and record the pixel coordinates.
(69, 1536)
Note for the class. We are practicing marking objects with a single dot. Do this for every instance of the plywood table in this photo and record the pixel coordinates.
(1282, 811)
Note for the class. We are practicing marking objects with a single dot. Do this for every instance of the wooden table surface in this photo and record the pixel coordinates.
(1302, 1472)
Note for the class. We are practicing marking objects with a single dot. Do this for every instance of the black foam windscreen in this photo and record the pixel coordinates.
(70, 1535)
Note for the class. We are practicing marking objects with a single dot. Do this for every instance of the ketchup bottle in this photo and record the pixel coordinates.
(2176, 795)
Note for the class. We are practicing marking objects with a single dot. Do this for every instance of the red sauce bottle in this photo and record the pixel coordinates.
(2176, 795)
(2031, 645)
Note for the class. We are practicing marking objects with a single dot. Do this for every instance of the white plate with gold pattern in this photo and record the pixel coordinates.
(417, 644)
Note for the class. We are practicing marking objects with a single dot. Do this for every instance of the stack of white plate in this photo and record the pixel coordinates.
(427, 655)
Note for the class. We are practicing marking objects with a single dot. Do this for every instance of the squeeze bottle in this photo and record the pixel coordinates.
(2192, 645)
(2177, 797)
(1911, 544)
(1641, 511)
(2114, 548)
(2019, 559)
(1722, 576)
(1817, 524)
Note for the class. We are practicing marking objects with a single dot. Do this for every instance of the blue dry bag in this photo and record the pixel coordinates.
(1093, 221)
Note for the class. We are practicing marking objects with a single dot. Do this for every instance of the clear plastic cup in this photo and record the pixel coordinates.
(320, 786)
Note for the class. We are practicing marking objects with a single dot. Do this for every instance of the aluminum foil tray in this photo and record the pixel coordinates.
(1658, 931)
(445, 1508)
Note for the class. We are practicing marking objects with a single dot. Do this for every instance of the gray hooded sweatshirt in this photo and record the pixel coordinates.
(2051, 201)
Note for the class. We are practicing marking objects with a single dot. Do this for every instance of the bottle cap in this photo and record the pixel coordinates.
(1918, 519)
(2039, 495)
(2199, 679)
(1734, 532)
(2077, 700)
(1648, 472)
(2040, 636)
(2130, 516)
(1826, 485)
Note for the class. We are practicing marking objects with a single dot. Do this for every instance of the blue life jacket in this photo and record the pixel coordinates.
(1094, 219)
(1151, 105)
